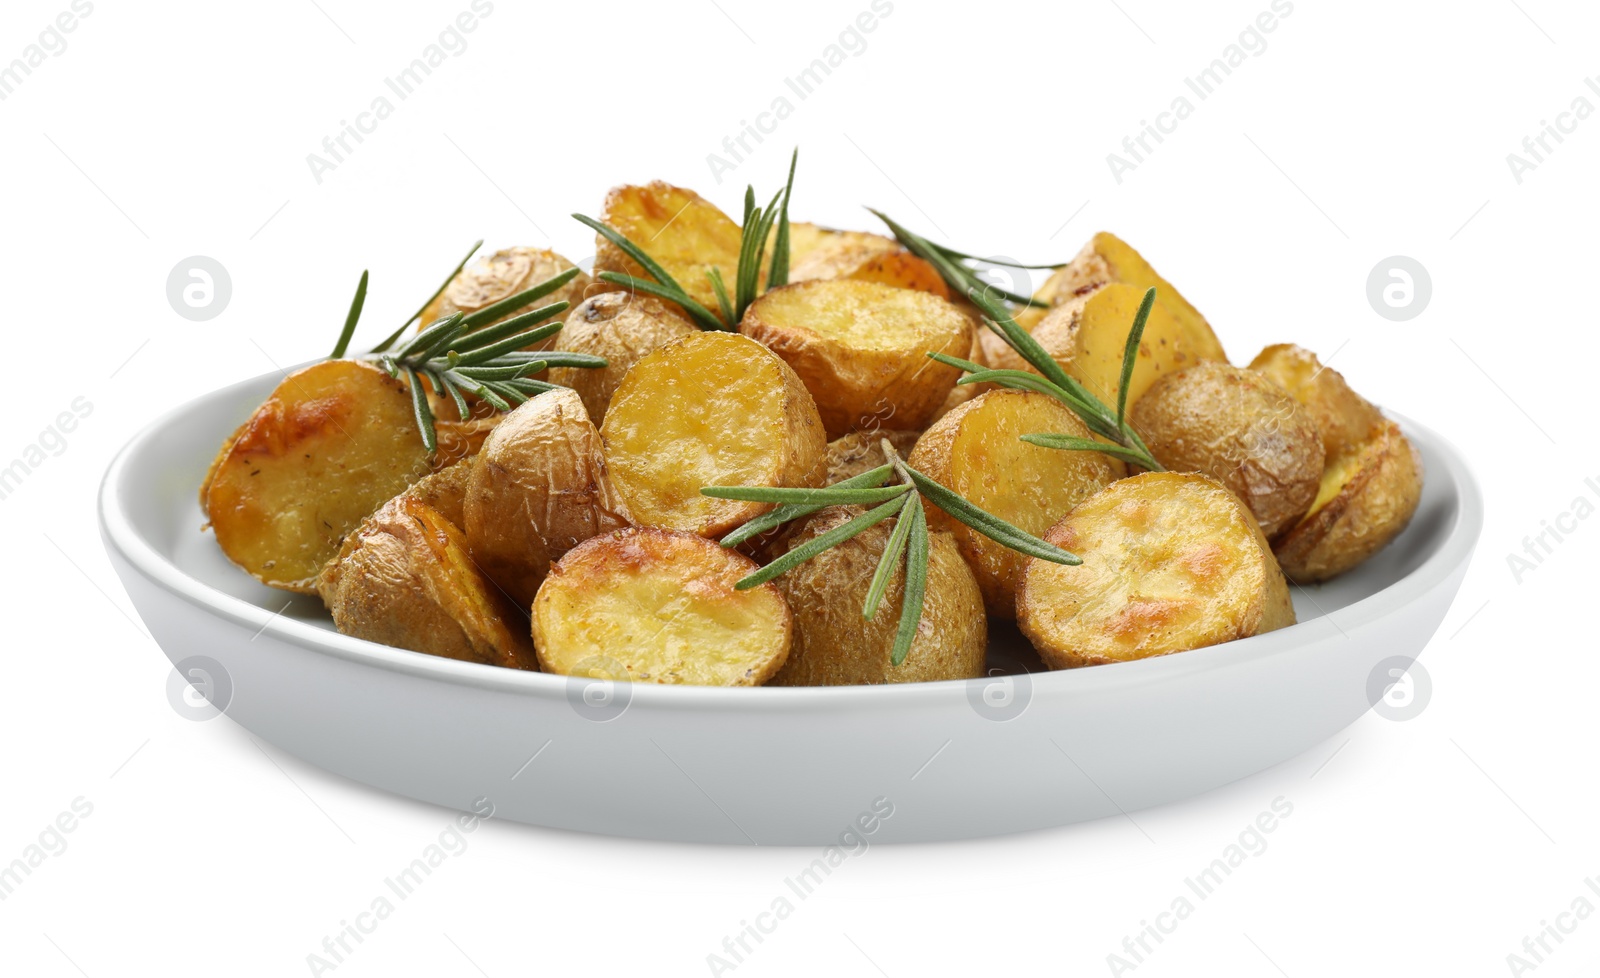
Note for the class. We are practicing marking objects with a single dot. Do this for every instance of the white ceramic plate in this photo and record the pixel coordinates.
(768, 766)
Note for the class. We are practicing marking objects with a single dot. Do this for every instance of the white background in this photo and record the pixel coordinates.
(1365, 129)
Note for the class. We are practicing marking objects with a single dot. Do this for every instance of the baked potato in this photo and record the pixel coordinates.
(976, 451)
(621, 327)
(1343, 418)
(962, 393)
(500, 276)
(538, 489)
(861, 451)
(712, 408)
(1242, 430)
(822, 253)
(331, 444)
(656, 606)
(683, 232)
(833, 646)
(1366, 497)
(862, 349)
(404, 578)
(1106, 259)
(1171, 561)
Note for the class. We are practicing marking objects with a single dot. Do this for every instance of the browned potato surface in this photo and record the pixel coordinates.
(654, 606)
(538, 489)
(861, 451)
(683, 232)
(1366, 498)
(622, 327)
(500, 276)
(819, 253)
(330, 444)
(833, 646)
(1242, 430)
(404, 578)
(711, 409)
(862, 349)
(1171, 561)
(976, 451)
(1343, 418)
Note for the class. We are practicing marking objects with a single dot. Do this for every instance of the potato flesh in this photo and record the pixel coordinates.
(1242, 430)
(862, 348)
(622, 328)
(712, 409)
(649, 605)
(403, 578)
(680, 230)
(834, 646)
(331, 444)
(1343, 418)
(1088, 337)
(502, 275)
(1171, 562)
(977, 452)
(538, 489)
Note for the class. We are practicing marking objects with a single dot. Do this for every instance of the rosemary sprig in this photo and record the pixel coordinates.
(1112, 425)
(910, 537)
(394, 337)
(756, 228)
(952, 266)
(351, 318)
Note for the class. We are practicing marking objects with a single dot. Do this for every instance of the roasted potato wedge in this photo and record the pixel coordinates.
(502, 275)
(862, 349)
(538, 489)
(711, 409)
(1171, 561)
(331, 444)
(977, 452)
(833, 646)
(622, 327)
(1366, 498)
(445, 491)
(649, 605)
(819, 253)
(1242, 430)
(1343, 418)
(404, 578)
(682, 231)
(1106, 259)
(861, 451)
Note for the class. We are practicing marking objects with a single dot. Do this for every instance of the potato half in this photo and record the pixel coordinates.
(976, 451)
(502, 275)
(1366, 498)
(711, 409)
(1171, 561)
(683, 232)
(833, 646)
(1106, 259)
(1343, 418)
(331, 444)
(538, 489)
(622, 327)
(821, 253)
(1242, 430)
(862, 349)
(654, 606)
(404, 578)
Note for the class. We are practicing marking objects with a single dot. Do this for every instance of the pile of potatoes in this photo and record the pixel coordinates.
(570, 534)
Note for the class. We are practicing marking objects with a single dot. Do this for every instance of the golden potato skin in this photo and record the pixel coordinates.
(861, 451)
(1107, 259)
(1242, 430)
(833, 646)
(655, 606)
(683, 232)
(622, 327)
(710, 409)
(404, 578)
(502, 275)
(862, 349)
(976, 451)
(331, 444)
(538, 489)
(445, 491)
(1365, 500)
(819, 253)
(1171, 561)
(1343, 418)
